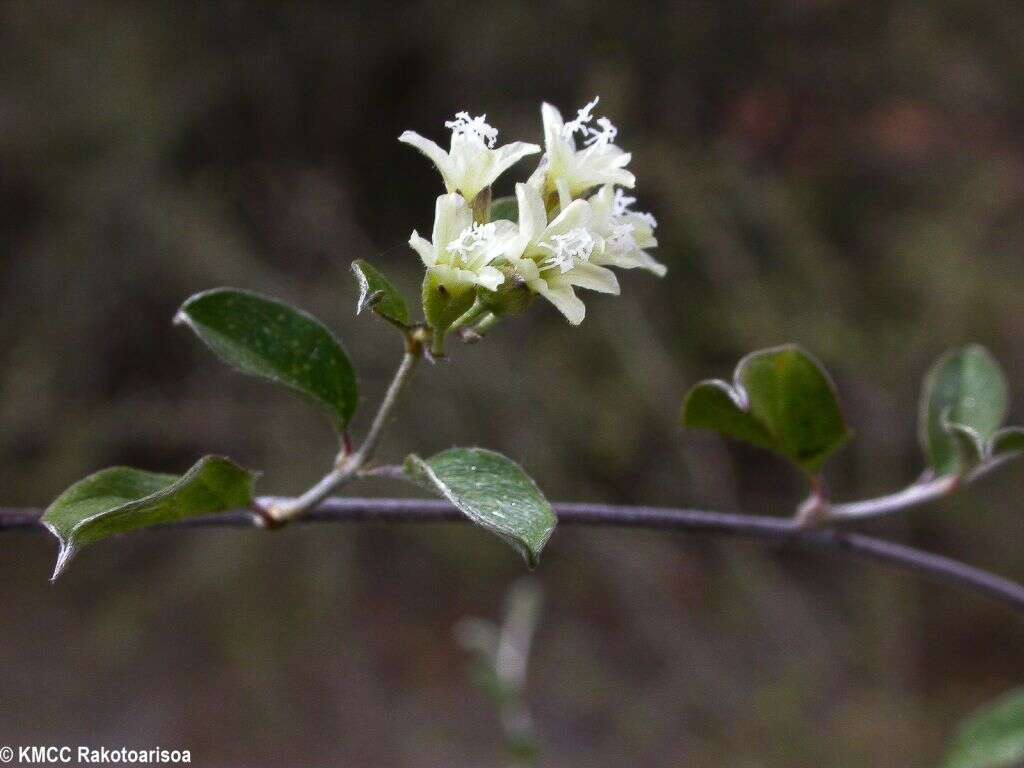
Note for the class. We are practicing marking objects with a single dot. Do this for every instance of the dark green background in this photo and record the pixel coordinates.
(845, 175)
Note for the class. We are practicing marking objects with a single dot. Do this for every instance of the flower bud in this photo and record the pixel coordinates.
(512, 297)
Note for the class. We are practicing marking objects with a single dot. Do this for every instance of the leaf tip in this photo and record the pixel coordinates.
(531, 552)
(368, 300)
(364, 286)
(65, 554)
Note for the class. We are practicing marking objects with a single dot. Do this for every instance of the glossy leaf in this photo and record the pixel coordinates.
(269, 339)
(964, 393)
(121, 499)
(492, 491)
(991, 738)
(377, 293)
(505, 208)
(1007, 440)
(781, 399)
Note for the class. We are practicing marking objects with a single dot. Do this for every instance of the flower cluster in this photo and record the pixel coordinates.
(566, 226)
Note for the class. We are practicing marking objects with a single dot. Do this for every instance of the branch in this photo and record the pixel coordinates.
(280, 511)
(925, 490)
(939, 569)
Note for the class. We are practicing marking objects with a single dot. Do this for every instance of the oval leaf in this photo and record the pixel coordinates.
(492, 491)
(377, 293)
(964, 393)
(992, 738)
(266, 338)
(781, 399)
(121, 499)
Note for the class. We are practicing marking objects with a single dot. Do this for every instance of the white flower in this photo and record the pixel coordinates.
(460, 251)
(570, 171)
(472, 164)
(627, 234)
(554, 258)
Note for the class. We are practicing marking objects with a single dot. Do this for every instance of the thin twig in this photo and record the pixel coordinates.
(915, 495)
(348, 465)
(783, 531)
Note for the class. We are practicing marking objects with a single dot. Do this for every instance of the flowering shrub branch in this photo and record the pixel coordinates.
(487, 258)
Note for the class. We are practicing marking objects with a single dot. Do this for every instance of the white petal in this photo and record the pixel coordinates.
(451, 216)
(504, 242)
(564, 298)
(601, 164)
(634, 259)
(603, 201)
(576, 214)
(528, 270)
(533, 219)
(504, 228)
(490, 278)
(436, 154)
(649, 263)
(510, 154)
(593, 277)
(423, 248)
(622, 177)
(553, 124)
(564, 195)
(475, 167)
(537, 177)
(472, 166)
(643, 236)
(455, 280)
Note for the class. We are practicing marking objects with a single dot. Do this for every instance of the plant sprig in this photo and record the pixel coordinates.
(782, 400)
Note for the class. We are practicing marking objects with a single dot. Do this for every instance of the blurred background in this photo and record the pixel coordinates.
(846, 175)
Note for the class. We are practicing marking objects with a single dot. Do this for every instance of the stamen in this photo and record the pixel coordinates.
(604, 133)
(568, 249)
(471, 240)
(583, 116)
(621, 207)
(622, 202)
(465, 126)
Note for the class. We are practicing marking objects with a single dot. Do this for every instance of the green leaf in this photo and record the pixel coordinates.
(121, 499)
(269, 339)
(781, 399)
(377, 292)
(991, 738)
(964, 390)
(505, 208)
(492, 491)
(1007, 440)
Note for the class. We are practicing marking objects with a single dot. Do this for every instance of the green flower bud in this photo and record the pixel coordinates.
(512, 297)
